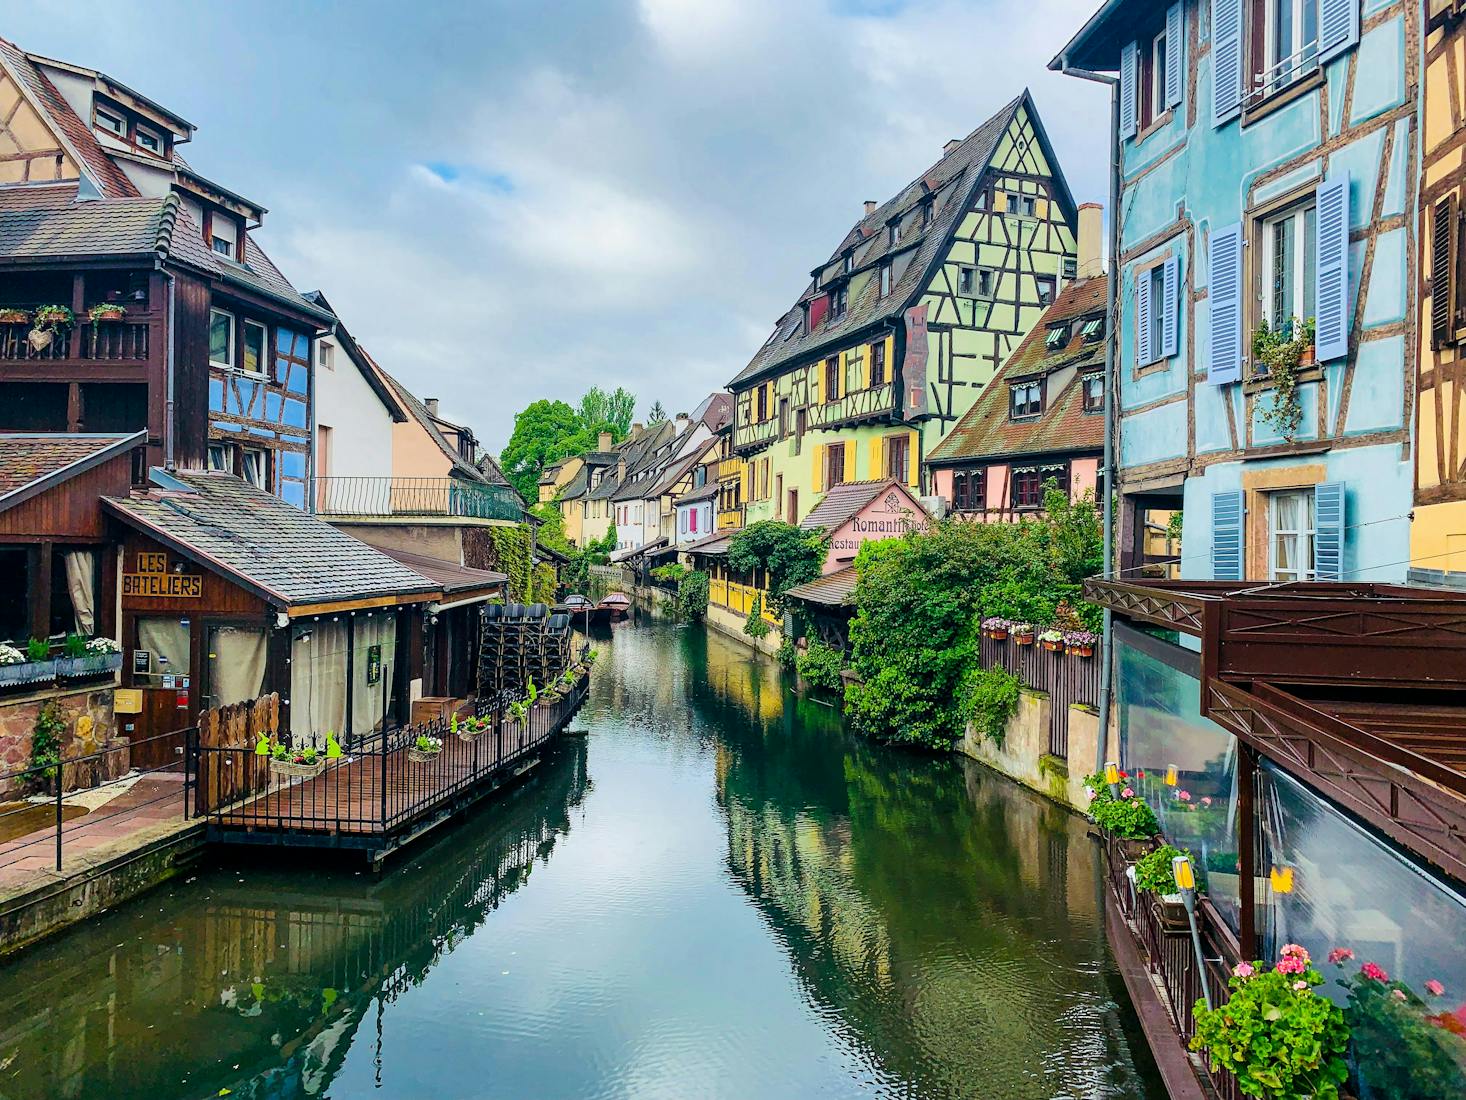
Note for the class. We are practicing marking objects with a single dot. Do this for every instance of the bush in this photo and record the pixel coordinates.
(821, 666)
(670, 573)
(1153, 871)
(692, 596)
(786, 555)
(46, 737)
(1277, 1036)
(992, 701)
(1127, 817)
(755, 627)
(787, 656)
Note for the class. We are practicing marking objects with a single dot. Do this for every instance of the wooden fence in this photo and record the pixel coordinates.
(225, 777)
(1067, 678)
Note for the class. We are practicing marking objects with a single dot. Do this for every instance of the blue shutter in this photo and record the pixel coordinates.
(1226, 536)
(1175, 78)
(1129, 68)
(1331, 271)
(1224, 292)
(1328, 527)
(1170, 308)
(1338, 27)
(1226, 52)
(1144, 353)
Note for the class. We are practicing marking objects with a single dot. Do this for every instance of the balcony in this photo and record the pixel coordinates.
(730, 519)
(415, 497)
(128, 343)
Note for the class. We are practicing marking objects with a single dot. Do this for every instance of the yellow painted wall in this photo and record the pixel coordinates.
(25, 133)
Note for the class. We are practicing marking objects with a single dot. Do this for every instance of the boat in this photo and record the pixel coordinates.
(613, 608)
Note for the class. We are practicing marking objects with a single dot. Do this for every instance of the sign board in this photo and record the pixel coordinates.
(142, 662)
(374, 664)
(154, 579)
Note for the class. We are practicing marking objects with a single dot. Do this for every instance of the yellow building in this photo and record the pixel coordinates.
(902, 327)
(1438, 534)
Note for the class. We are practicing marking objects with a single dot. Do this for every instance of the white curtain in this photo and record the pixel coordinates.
(81, 583)
(167, 641)
(236, 664)
(371, 681)
(318, 681)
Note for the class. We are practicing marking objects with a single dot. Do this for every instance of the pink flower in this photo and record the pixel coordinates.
(1295, 951)
(1206, 800)
(1434, 988)
(1243, 970)
(1398, 994)
(1339, 955)
(1127, 793)
(1299, 986)
(1184, 796)
(1374, 972)
(1291, 965)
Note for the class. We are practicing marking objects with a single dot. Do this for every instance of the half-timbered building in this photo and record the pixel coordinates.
(899, 330)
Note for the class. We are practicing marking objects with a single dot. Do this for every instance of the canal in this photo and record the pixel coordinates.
(716, 893)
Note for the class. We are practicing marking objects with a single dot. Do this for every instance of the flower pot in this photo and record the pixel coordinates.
(1022, 639)
(107, 313)
(1052, 647)
(1308, 357)
(1171, 912)
(301, 770)
(28, 672)
(14, 316)
(998, 635)
(1131, 849)
(1080, 650)
(93, 664)
(422, 756)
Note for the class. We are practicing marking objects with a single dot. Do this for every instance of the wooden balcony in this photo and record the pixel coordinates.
(128, 344)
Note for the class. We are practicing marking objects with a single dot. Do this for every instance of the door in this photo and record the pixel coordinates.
(162, 666)
(793, 506)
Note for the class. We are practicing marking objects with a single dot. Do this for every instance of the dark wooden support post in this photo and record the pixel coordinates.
(76, 416)
(106, 614)
(277, 667)
(1247, 849)
(41, 560)
(79, 312)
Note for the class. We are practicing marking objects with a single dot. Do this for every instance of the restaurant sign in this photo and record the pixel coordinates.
(153, 578)
(889, 517)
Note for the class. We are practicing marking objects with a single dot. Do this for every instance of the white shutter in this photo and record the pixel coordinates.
(1175, 77)
(1129, 72)
(1331, 270)
(1224, 293)
(1226, 52)
(1338, 27)
(1144, 353)
(1170, 306)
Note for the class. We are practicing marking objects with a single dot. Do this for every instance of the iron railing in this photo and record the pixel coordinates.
(416, 496)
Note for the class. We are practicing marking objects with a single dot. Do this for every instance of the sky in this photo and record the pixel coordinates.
(509, 199)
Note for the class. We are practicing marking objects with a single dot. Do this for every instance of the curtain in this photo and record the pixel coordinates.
(81, 583)
(236, 664)
(167, 641)
(318, 681)
(371, 680)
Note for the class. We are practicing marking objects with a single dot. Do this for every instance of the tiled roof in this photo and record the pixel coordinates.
(950, 183)
(447, 575)
(706, 492)
(714, 546)
(286, 556)
(844, 502)
(115, 227)
(987, 431)
(32, 196)
(834, 590)
(26, 459)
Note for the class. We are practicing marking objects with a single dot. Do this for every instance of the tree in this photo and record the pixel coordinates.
(544, 433)
(600, 411)
(787, 555)
(656, 414)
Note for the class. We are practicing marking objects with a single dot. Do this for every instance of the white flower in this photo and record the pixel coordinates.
(100, 646)
(9, 655)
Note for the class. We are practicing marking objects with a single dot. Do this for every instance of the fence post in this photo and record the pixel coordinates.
(384, 774)
(59, 774)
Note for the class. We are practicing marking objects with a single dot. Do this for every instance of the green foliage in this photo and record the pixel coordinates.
(46, 737)
(542, 436)
(37, 649)
(512, 557)
(1279, 1038)
(787, 556)
(692, 596)
(74, 646)
(600, 411)
(1128, 817)
(821, 665)
(754, 626)
(787, 655)
(1153, 871)
(1281, 350)
(1401, 1049)
(992, 700)
(670, 573)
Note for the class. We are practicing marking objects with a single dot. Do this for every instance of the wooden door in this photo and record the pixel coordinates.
(160, 715)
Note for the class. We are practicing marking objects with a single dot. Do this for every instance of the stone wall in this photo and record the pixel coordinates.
(18, 723)
(1025, 756)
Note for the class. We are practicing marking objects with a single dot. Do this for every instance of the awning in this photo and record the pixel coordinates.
(835, 590)
(461, 584)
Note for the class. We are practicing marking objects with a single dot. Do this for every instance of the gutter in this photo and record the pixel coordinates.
(168, 367)
(1112, 337)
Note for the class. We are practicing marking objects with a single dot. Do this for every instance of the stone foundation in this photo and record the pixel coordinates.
(1025, 756)
(18, 723)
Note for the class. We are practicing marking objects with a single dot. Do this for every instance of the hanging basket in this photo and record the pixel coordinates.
(107, 313)
(421, 756)
(40, 338)
(1023, 639)
(14, 316)
(299, 770)
(1080, 650)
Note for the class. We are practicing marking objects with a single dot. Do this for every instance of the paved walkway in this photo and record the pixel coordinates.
(151, 807)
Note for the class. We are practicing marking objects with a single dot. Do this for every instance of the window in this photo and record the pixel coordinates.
(1026, 399)
(763, 404)
(1156, 319)
(223, 247)
(221, 338)
(849, 262)
(854, 369)
(832, 379)
(834, 465)
(221, 457)
(839, 299)
(1291, 545)
(893, 234)
(963, 499)
(253, 359)
(1070, 267)
(1027, 488)
(897, 450)
(926, 214)
(1057, 337)
(150, 141)
(1047, 287)
(975, 282)
(1156, 93)
(223, 235)
(885, 279)
(327, 355)
(1289, 254)
(255, 469)
(878, 364)
(111, 122)
(1094, 393)
(1025, 206)
(1093, 331)
(1290, 41)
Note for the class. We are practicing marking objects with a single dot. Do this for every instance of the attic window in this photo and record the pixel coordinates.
(849, 262)
(885, 279)
(1094, 393)
(147, 139)
(112, 123)
(1025, 206)
(839, 300)
(1057, 337)
(975, 282)
(1025, 399)
(926, 214)
(1093, 331)
(893, 234)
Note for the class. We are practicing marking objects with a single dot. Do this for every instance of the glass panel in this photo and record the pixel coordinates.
(236, 663)
(15, 607)
(166, 641)
(1161, 728)
(254, 347)
(221, 339)
(1282, 271)
(255, 469)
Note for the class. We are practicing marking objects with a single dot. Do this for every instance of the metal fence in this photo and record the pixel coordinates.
(1067, 678)
(416, 496)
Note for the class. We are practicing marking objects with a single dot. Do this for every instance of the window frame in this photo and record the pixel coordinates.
(265, 467)
(1026, 489)
(233, 339)
(1047, 288)
(878, 364)
(831, 453)
(896, 455)
(162, 145)
(1306, 563)
(839, 302)
(831, 368)
(884, 283)
(1087, 402)
(326, 355)
(99, 112)
(1058, 335)
(1033, 403)
(264, 370)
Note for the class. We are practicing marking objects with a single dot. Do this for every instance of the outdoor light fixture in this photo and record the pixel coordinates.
(1281, 880)
(1112, 777)
(1185, 876)
(1171, 774)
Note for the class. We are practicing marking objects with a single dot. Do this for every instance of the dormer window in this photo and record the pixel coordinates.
(893, 234)
(885, 279)
(926, 214)
(223, 235)
(849, 262)
(1094, 330)
(1025, 399)
(1056, 337)
(149, 140)
(110, 121)
(1094, 393)
(223, 247)
(839, 301)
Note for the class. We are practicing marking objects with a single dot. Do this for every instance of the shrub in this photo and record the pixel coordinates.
(992, 701)
(46, 736)
(787, 656)
(74, 646)
(1401, 1049)
(37, 649)
(670, 573)
(1277, 1036)
(821, 665)
(786, 554)
(755, 627)
(1127, 817)
(692, 596)
(1153, 870)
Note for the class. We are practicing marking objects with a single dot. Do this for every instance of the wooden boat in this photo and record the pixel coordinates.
(613, 608)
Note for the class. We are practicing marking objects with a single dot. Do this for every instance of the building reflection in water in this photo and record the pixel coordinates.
(260, 981)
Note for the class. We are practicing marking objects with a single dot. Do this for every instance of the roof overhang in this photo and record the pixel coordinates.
(177, 125)
(65, 473)
(1096, 46)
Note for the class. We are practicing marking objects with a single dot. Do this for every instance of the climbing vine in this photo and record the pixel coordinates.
(512, 557)
(692, 596)
(756, 627)
(46, 737)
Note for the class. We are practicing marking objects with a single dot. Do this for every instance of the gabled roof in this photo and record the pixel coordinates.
(951, 185)
(418, 412)
(835, 589)
(288, 557)
(705, 492)
(360, 361)
(31, 463)
(987, 431)
(575, 488)
(714, 546)
(844, 502)
(451, 577)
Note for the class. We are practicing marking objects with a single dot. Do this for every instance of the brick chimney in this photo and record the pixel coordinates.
(637, 429)
(870, 207)
(432, 405)
(603, 441)
(1091, 240)
(951, 145)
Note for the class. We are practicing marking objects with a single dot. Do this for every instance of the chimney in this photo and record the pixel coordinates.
(870, 207)
(603, 441)
(1091, 241)
(951, 145)
(432, 405)
(681, 425)
(637, 429)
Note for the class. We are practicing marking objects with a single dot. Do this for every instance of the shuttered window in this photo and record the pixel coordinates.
(1129, 82)
(834, 465)
(1175, 76)
(1226, 24)
(1225, 298)
(1332, 294)
(1328, 539)
(1170, 272)
(1144, 318)
(1338, 27)
(1443, 290)
(1226, 536)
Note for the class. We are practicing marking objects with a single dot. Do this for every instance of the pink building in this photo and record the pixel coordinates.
(859, 510)
(1041, 418)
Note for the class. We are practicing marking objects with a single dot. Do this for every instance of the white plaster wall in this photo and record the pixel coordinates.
(361, 427)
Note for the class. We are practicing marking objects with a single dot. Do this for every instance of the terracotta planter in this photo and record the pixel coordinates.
(1022, 639)
(1080, 650)
(14, 316)
(998, 635)
(291, 768)
(1052, 647)
(110, 313)
(1308, 357)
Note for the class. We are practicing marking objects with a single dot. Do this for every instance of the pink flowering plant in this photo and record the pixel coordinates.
(1275, 1034)
(1405, 1046)
(1129, 816)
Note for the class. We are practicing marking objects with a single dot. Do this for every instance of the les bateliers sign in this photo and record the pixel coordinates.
(153, 579)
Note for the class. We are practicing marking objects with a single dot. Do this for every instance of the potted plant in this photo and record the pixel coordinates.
(467, 729)
(1402, 1047)
(1153, 875)
(48, 321)
(11, 316)
(424, 749)
(1129, 820)
(1277, 355)
(73, 652)
(284, 760)
(1276, 1035)
(1051, 640)
(106, 311)
(1021, 633)
(995, 628)
(1080, 643)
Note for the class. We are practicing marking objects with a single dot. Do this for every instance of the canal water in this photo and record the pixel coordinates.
(715, 893)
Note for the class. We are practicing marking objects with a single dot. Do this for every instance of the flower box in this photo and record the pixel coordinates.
(422, 756)
(1022, 639)
(107, 313)
(296, 768)
(1132, 850)
(94, 664)
(1171, 912)
(998, 635)
(1051, 646)
(28, 672)
(1077, 650)
(14, 316)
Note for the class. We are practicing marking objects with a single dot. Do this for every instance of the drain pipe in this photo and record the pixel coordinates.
(168, 371)
(1112, 336)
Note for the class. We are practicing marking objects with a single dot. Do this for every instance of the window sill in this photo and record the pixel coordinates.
(1281, 97)
(1258, 383)
(1157, 123)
